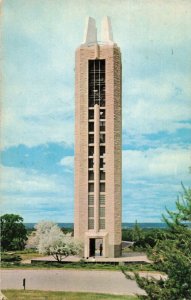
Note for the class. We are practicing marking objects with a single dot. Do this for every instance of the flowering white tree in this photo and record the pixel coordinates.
(49, 239)
(64, 247)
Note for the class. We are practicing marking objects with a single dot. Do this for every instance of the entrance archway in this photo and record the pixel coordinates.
(95, 247)
(92, 247)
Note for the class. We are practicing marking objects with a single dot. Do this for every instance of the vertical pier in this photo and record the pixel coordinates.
(97, 163)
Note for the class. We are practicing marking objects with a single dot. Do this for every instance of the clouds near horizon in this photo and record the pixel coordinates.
(39, 42)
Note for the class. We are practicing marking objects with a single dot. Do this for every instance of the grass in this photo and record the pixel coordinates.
(42, 295)
(78, 266)
(28, 254)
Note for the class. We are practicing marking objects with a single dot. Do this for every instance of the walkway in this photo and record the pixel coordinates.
(133, 257)
(113, 282)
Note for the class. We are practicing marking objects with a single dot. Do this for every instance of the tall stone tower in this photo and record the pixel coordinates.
(98, 143)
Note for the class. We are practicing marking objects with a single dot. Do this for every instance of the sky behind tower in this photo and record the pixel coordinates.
(39, 41)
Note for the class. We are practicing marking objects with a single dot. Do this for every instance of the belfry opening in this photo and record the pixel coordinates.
(98, 143)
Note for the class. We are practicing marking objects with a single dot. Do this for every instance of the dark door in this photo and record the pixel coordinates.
(92, 247)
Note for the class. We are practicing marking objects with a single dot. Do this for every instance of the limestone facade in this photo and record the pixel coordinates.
(101, 218)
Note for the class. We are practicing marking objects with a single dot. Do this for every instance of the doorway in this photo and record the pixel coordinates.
(99, 247)
(96, 247)
(92, 247)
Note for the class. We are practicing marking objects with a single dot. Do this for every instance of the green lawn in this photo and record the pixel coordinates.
(41, 295)
(25, 254)
(78, 266)
(29, 256)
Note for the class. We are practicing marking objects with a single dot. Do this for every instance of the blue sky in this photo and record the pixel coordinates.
(39, 42)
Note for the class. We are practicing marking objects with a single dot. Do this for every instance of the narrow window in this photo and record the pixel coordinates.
(91, 151)
(91, 114)
(90, 199)
(90, 223)
(91, 138)
(91, 175)
(90, 187)
(102, 125)
(102, 175)
(102, 212)
(90, 212)
(102, 223)
(102, 150)
(102, 114)
(102, 138)
(102, 187)
(101, 163)
(102, 200)
(90, 163)
(91, 126)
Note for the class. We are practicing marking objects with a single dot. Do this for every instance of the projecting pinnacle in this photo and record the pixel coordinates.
(106, 32)
(90, 36)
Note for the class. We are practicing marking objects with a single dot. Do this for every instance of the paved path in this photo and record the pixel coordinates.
(131, 257)
(113, 282)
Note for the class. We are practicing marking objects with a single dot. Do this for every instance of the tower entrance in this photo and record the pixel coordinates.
(95, 247)
(92, 247)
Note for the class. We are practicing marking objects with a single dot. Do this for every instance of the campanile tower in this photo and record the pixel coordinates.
(98, 143)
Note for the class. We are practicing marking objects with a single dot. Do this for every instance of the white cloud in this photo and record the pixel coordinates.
(39, 104)
(161, 22)
(38, 118)
(152, 181)
(16, 180)
(36, 208)
(68, 162)
(156, 163)
(39, 44)
(139, 19)
(36, 196)
(157, 104)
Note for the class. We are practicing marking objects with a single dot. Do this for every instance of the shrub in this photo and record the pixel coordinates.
(10, 257)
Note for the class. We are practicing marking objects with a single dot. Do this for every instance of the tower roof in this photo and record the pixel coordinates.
(106, 31)
(90, 35)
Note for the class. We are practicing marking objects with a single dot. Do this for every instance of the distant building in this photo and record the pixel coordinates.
(98, 143)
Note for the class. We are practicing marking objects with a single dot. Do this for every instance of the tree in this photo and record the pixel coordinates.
(143, 238)
(64, 247)
(49, 239)
(138, 234)
(13, 232)
(172, 256)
